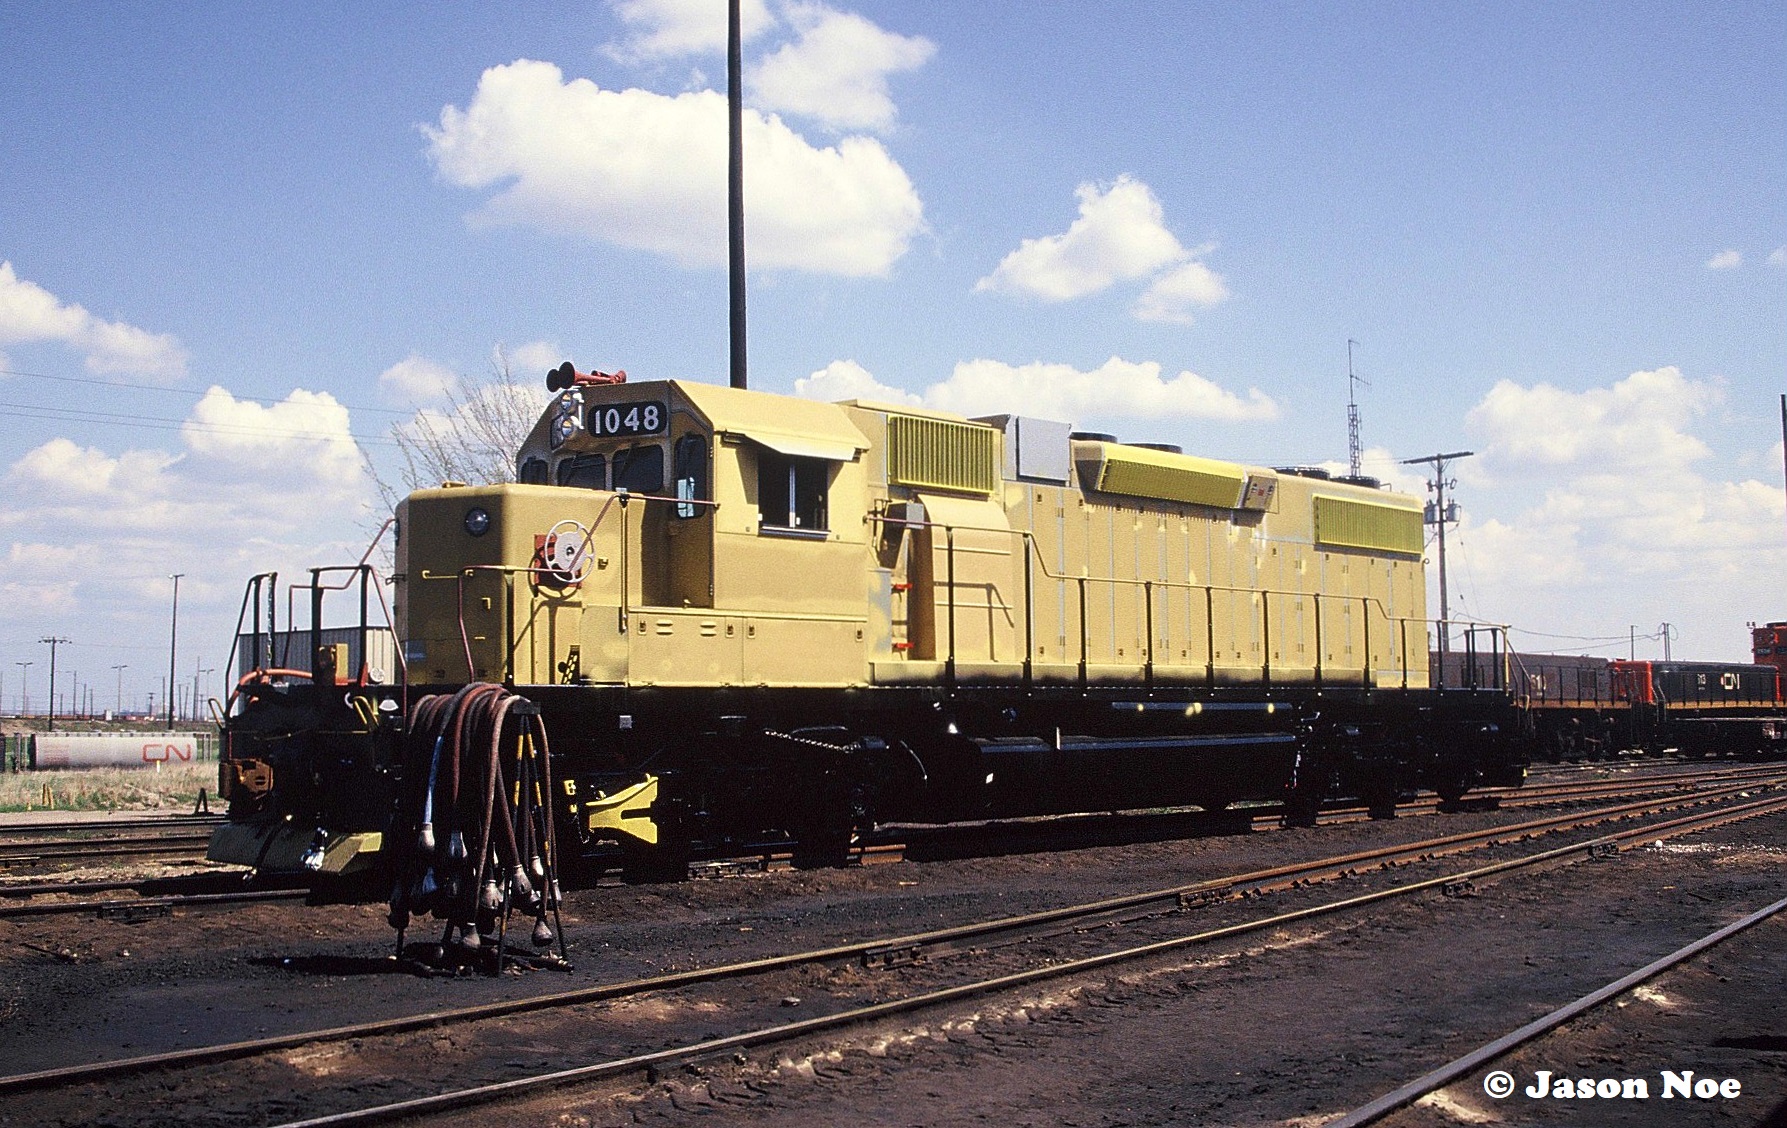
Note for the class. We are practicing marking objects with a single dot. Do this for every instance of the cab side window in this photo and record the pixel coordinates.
(791, 491)
(690, 472)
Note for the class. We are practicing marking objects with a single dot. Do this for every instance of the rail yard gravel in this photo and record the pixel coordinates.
(1291, 1029)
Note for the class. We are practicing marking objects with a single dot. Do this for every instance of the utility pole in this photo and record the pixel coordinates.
(1438, 514)
(119, 670)
(1666, 630)
(173, 639)
(24, 687)
(54, 641)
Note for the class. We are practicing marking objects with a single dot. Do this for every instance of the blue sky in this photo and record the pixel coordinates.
(1558, 233)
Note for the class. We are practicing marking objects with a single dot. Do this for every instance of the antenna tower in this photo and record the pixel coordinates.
(1355, 450)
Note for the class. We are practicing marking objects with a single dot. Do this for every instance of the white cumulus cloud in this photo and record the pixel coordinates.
(1119, 236)
(30, 313)
(90, 535)
(647, 171)
(836, 71)
(1639, 421)
(1725, 260)
(848, 380)
(661, 29)
(1172, 296)
(1115, 389)
(530, 362)
(1602, 507)
(416, 379)
(306, 428)
(1778, 257)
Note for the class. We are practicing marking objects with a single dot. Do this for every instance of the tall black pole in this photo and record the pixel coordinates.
(735, 189)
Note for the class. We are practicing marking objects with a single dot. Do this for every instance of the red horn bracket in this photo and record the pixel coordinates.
(566, 375)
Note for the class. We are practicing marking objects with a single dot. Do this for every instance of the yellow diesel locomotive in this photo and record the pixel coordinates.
(738, 616)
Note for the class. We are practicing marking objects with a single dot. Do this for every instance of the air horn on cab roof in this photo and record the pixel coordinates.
(566, 375)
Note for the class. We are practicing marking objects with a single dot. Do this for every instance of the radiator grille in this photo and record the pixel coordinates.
(1173, 477)
(938, 454)
(1357, 524)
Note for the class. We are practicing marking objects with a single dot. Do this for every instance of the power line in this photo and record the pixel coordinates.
(1583, 638)
(188, 392)
(163, 423)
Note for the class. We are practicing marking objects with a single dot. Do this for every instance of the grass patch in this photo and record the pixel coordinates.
(170, 787)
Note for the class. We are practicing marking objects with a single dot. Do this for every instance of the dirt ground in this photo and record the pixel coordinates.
(1291, 1028)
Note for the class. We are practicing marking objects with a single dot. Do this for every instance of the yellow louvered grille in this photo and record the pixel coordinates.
(1357, 524)
(1172, 477)
(940, 454)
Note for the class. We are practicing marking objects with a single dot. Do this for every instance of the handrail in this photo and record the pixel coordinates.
(252, 592)
(1034, 556)
(267, 584)
(369, 580)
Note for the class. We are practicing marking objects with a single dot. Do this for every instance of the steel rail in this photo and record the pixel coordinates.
(19, 853)
(104, 826)
(1451, 1071)
(483, 1094)
(125, 906)
(882, 951)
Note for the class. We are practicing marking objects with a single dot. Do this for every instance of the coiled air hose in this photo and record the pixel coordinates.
(473, 838)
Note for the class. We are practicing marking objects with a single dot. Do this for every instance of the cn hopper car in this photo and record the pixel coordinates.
(735, 616)
(1595, 708)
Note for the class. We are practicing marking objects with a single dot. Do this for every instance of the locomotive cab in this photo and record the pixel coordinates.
(660, 534)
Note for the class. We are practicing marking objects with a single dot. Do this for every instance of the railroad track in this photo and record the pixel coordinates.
(45, 850)
(160, 896)
(1405, 1095)
(1092, 923)
(76, 827)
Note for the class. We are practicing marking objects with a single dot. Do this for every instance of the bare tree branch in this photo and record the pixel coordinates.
(471, 438)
